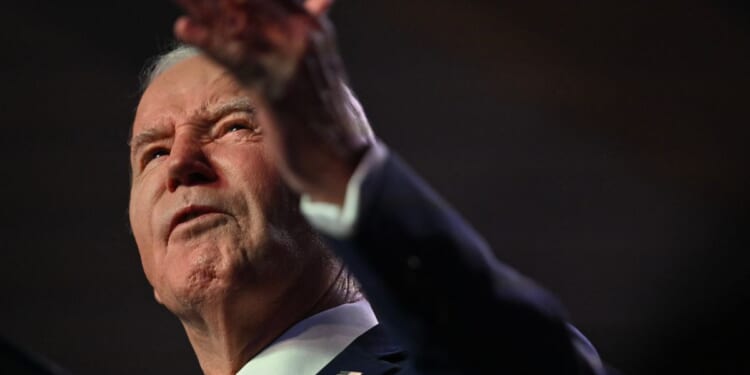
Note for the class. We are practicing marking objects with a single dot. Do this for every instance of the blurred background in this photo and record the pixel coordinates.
(600, 147)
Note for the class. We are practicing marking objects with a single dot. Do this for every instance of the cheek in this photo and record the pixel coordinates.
(261, 187)
(265, 184)
(274, 200)
(138, 213)
(137, 216)
(255, 171)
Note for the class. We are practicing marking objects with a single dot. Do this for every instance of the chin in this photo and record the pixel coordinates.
(203, 282)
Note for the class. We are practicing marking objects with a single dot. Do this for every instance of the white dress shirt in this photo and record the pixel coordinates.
(309, 345)
(335, 221)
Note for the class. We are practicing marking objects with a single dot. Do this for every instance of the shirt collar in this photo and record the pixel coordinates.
(309, 345)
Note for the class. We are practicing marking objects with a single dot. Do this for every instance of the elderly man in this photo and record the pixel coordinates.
(225, 138)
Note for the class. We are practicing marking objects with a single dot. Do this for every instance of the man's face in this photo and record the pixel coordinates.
(207, 207)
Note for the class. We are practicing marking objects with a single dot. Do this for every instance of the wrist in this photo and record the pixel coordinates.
(331, 184)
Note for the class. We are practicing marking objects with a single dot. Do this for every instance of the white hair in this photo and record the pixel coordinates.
(180, 52)
(163, 62)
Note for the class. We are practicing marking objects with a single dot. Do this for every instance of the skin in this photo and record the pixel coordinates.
(318, 137)
(245, 266)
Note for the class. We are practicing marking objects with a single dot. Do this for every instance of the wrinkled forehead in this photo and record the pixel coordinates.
(185, 87)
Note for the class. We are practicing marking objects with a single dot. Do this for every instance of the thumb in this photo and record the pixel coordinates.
(318, 7)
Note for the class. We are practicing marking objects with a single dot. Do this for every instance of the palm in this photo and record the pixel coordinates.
(286, 51)
(249, 36)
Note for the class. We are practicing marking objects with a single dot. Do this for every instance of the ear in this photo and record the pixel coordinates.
(318, 7)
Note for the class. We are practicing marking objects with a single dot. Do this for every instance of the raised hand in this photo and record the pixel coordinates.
(286, 50)
(260, 40)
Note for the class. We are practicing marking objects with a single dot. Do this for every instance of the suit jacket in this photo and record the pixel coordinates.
(374, 352)
(441, 293)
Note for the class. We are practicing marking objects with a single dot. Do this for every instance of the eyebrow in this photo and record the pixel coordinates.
(148, 136)
(204, 114)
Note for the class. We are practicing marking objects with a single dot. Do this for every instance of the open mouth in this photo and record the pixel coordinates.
(190, 213)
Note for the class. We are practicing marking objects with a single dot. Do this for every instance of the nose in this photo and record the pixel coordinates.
(188, 164)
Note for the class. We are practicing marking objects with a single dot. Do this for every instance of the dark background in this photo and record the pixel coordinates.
(598, 146)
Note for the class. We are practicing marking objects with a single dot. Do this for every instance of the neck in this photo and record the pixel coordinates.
(228, 334)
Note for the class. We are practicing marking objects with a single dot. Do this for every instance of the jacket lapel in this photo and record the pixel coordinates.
(372, 353)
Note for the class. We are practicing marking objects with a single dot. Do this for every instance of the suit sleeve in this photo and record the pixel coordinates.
(440, 289)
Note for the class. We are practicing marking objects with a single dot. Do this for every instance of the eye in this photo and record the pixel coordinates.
(154, 154)
(237, 126)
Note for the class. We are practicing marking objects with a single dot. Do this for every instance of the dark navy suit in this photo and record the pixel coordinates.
(442, 295)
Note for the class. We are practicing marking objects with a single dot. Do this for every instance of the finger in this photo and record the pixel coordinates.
(318, 8)
(204, 11)
(251, 19)
(189, 31)
(235, 17)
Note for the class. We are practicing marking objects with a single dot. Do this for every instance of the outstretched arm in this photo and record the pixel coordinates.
(434, 280)
(427, 272)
